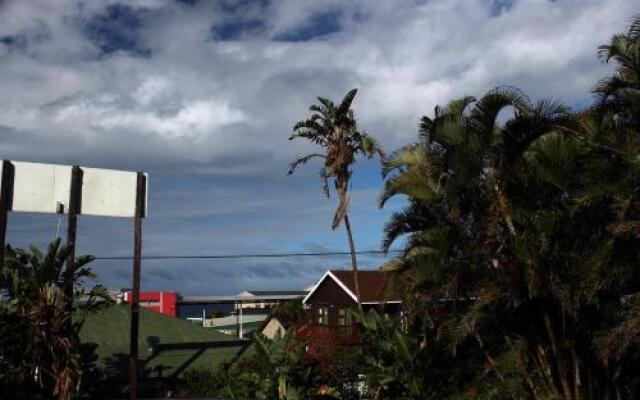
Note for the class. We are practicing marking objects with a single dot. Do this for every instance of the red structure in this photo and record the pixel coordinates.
(325, 340)
(162, 302)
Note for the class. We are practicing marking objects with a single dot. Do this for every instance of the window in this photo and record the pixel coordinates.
(344, 316)
(323, 315)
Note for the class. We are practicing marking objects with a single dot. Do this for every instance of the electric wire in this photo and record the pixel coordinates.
(248, 255)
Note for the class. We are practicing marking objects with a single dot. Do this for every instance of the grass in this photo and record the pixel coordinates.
(180, 344)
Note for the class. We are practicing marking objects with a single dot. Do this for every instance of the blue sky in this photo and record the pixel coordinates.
(203, 95)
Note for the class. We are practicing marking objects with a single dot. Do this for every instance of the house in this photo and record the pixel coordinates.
(333, 297)
(326, 324)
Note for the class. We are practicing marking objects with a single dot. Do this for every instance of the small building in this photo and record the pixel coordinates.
(333, 298)
(162, 302)
(248, 309)
(265, 299)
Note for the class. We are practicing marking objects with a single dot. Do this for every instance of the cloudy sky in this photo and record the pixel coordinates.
(203, 95)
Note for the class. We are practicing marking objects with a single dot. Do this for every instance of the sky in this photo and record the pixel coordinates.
(202, 95)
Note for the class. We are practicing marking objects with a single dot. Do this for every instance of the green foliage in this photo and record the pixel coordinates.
(43, 321)
(279, 370)
(393, 363)
(522, 239)
(15, 345)
(200, 382)
(242, 386)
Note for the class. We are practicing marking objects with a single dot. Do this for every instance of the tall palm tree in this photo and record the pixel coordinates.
(334, 128)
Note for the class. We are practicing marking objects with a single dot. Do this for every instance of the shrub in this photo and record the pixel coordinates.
(201, 381)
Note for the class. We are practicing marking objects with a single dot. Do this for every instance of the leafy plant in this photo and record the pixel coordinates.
(522, 238)
(280, 371)
(50, 363)
(200, 382)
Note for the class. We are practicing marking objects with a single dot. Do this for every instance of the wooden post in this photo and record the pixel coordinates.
(6, 200)
(240, 328)
(237, 319)
(141, 190)
(75, 205)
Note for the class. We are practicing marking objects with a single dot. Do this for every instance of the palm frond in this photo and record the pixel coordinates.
(303, 160)
(345, 104)
(371, 147)
(483, 116)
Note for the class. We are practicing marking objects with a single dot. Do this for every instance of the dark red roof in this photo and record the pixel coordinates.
(374, 285)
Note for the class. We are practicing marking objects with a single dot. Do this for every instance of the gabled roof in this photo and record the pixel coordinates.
(374, 287)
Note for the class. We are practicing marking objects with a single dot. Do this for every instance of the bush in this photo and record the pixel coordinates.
(200, 381)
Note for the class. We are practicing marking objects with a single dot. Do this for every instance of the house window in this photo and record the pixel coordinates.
(344, 316)
(323, 315)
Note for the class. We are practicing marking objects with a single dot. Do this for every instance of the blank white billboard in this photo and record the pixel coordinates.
(109, 192)
(42, 187)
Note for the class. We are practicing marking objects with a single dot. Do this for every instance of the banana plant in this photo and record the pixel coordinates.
(289, 373)
(393, 361)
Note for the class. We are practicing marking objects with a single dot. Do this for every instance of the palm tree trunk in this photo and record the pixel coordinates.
(354, 264)
(562, 372)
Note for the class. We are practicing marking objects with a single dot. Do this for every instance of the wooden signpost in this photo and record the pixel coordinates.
(141, 193)
(75, 204)
(6, 196)
(47, 188)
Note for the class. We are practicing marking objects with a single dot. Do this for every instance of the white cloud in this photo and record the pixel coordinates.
(405, 59)
(193, 119)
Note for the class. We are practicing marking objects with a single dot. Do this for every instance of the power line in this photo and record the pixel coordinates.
(237, 256)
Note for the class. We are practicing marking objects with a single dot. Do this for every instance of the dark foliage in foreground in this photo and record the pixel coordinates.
(40, 351)
(523, 240)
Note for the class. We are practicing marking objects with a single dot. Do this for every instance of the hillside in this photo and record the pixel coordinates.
(179, 344)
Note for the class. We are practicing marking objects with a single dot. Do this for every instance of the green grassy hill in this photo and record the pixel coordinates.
(179, 346)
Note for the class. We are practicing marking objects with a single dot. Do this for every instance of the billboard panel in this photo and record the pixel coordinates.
(109, 192)
(40, 187)
(44, 187)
